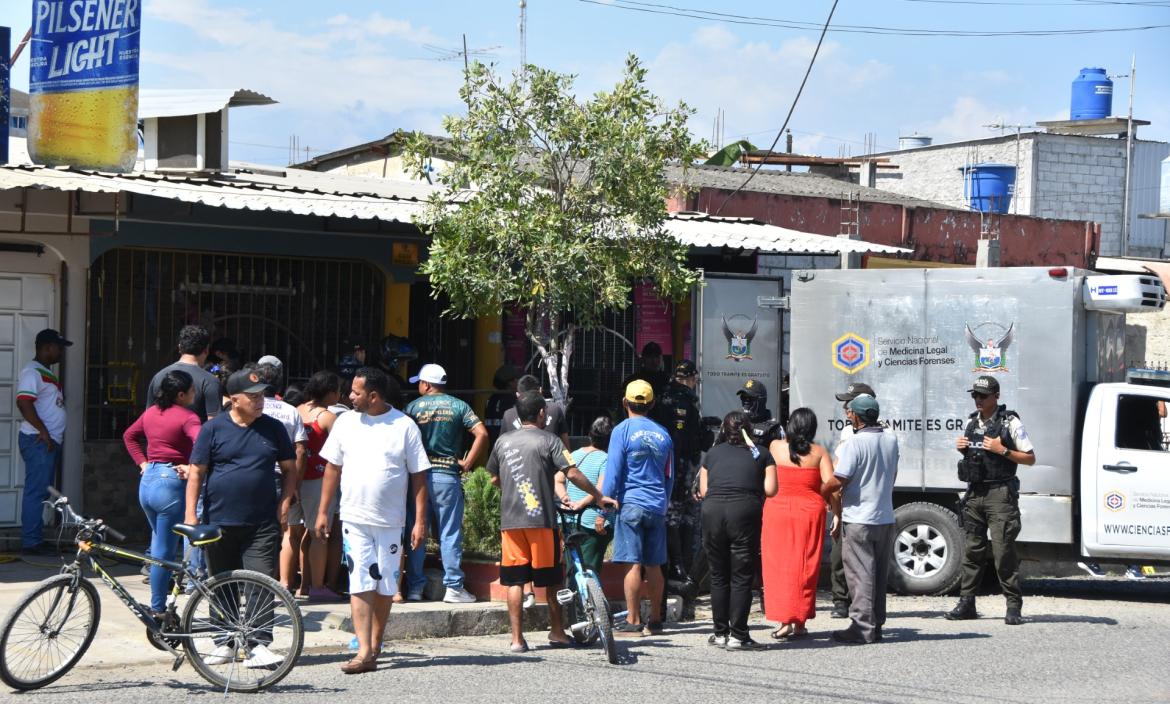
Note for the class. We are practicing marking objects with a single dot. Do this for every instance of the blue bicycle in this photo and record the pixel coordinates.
(585, 604)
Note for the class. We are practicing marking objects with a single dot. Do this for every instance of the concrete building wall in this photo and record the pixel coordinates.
(935, 234)
(935, 173)
(372, 165)
(1059, 176)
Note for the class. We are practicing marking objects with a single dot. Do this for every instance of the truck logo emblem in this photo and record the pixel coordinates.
(850, 353)
(739, 339)
(1115, 501)
(990, 346)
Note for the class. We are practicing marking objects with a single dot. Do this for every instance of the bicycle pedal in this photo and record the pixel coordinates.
(178, 663)
(565, 596)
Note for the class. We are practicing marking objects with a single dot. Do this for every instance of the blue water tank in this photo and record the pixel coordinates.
(1092, 95)
(989, 187)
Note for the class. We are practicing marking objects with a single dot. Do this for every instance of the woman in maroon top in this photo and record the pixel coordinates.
(160, 442)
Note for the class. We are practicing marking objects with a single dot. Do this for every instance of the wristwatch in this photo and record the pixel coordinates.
(1005, 452)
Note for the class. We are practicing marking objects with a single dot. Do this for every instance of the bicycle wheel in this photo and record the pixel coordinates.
(602, 619)
(577, 611)
(48, 632)
(245, 633)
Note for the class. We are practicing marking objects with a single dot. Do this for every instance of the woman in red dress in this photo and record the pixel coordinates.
(794, 526)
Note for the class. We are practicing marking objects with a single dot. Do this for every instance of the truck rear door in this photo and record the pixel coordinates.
(1125, 472)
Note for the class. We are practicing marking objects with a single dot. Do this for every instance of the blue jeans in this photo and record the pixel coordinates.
(639, 536)
(40, 466)
(445, 518)
(161, 493)
(196, 557)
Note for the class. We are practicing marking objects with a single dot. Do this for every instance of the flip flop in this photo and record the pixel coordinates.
(781, 633)
(358, 666)
(522, 648)
(560, 644)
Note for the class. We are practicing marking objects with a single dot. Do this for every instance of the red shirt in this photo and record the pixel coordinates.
(167, 435)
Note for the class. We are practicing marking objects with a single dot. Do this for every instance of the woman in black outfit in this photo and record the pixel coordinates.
(735, 477)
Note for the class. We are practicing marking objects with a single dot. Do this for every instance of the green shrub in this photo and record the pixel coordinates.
(481, 515)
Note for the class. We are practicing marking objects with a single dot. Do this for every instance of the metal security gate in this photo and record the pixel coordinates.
(304, 311)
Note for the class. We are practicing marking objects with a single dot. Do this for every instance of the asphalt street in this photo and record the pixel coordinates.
(1084, 641)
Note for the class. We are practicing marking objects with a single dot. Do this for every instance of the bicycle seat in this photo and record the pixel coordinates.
(198, 535)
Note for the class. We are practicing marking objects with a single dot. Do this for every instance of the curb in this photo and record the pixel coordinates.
(489, 618)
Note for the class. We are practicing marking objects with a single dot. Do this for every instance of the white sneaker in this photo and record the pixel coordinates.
(529, 600)
(221, 655)
(262, 657)
(1134, 572)
(458, 596)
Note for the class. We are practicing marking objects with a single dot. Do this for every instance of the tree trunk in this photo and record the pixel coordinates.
(555, 355)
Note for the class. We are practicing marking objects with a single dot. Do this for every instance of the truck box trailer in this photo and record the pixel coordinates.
(1055, 341)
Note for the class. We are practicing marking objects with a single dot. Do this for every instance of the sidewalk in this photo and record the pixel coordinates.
(121, 639)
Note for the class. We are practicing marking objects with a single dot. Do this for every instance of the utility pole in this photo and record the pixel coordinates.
(523, 35)
(1128, 158)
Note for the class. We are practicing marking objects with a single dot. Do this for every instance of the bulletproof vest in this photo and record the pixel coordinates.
(978, 465)
(765, 431)
(678, 413)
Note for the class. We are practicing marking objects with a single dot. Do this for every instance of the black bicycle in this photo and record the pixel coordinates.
(585, 604)
(241, 630)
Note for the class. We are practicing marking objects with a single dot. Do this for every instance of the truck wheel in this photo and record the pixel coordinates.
(928, 550)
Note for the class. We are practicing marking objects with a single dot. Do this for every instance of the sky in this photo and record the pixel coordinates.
(350, 71)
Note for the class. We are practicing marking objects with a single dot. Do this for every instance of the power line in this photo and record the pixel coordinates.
(795, 99)
(1040, 3)
(729, 18)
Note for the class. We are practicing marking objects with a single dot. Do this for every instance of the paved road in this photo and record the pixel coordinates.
(1090, 641)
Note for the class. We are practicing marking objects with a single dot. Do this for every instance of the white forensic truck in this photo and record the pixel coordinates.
(1055, 340)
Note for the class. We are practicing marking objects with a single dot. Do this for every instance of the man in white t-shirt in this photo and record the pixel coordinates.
(41, 405)
(370, 454)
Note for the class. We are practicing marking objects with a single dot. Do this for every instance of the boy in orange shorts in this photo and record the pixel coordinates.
(524, 464)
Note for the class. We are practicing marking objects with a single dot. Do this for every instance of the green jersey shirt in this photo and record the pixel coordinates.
(442, 420)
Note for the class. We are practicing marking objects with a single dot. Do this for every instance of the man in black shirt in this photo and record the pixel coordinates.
(194, 346)
(678, 412)
(650, 370)
(754, 399)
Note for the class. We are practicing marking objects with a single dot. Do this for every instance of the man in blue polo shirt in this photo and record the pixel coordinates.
(235, 453)
(639, 474)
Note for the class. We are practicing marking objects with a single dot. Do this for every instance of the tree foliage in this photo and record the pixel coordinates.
(554, 204)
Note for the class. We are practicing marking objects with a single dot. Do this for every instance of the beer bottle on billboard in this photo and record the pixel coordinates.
(83, 83)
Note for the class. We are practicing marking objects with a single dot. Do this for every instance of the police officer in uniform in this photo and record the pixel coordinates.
(678, 411)
(993, 446)
(754, 399)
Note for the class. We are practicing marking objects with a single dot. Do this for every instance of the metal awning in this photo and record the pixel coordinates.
(155, 102)
(702, 230)
(306, 193)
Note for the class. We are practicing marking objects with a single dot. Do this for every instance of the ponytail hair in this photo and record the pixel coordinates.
(173, 383)
(735, 425)
(802, 428)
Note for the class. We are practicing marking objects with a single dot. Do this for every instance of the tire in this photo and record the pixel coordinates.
(230, 618)
(51, 597)
(603, 620)
(928, 550)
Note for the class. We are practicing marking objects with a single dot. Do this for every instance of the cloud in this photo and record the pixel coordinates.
(754, 82)
(969, 118)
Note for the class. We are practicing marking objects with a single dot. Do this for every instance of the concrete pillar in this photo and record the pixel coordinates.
(987, 254)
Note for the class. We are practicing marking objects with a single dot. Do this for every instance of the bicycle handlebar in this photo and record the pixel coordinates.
(61, 503)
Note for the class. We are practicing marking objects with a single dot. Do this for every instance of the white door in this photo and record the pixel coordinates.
(1132, 471)
(27, 306)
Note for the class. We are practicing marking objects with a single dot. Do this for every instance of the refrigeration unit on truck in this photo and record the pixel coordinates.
(1055, 341)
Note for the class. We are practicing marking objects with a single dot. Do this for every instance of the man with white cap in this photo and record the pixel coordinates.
(442, 420)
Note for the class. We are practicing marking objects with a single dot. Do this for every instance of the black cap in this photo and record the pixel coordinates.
(754, 389)
(49, 336)
(685, 368)
(245, 382)
(985, 385)
(854, 390)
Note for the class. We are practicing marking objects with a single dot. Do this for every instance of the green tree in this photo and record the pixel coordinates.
(554, 204)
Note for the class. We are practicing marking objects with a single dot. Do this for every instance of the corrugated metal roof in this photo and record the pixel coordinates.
(729, 178)
(303, 193)
(168, 102)
(702, 230)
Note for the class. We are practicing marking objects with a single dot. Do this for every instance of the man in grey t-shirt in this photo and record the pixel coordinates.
(194, 344)
(866, 470)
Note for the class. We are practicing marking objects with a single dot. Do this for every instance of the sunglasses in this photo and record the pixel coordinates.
(978, 396)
